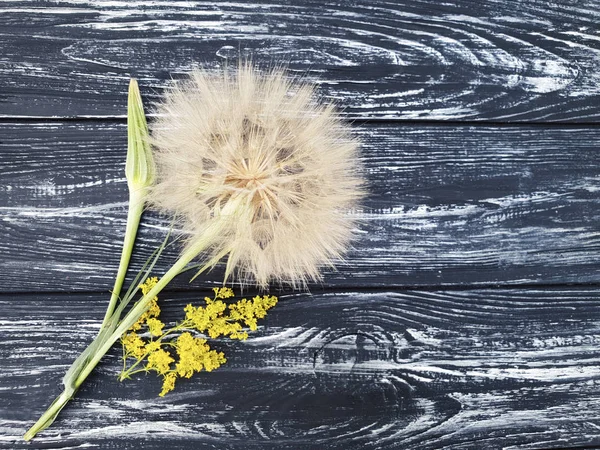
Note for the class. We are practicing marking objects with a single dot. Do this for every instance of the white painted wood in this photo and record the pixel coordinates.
(447, 206)
(489, 368)
(503, 61)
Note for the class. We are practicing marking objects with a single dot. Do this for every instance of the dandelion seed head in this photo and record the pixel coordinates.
(264, 143)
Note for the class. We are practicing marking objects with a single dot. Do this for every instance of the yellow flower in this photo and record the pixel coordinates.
(134, 345)
(168, 384)
(213, 360)
(147, 285)
(155, 327)
(195, 355)
(204, 317)
(214, 320)
(160, 361)
(210, 319)
(153, 309)
(223, 292)
(249, 312)
(153, 346)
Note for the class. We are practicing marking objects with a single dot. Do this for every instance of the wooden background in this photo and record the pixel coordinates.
(466, 317)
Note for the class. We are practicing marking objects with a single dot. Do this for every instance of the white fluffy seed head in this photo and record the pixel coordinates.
(263, 143)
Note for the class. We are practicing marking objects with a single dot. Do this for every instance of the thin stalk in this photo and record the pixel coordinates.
(135, 372)
(138, 309)
(104, 341)
(140, 173)
(48, 417)
(136, 208)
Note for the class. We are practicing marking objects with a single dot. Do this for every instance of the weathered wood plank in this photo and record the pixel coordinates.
(530, 60)
(447, 206)
(472, 369)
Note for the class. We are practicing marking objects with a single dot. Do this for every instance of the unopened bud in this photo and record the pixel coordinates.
(139, 167)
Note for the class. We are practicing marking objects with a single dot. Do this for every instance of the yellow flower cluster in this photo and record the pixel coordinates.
(160, 360)
(193, 353)
(219, 319)
(153, 310)
(134, 345)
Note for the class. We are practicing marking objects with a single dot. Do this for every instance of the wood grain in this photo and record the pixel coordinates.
(452, 324)
(459, 369)
(448, 205)
(530, 60)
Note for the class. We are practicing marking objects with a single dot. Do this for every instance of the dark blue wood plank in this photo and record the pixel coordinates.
(364, 362)
(530, 60)
(466, 369)
(448, 205)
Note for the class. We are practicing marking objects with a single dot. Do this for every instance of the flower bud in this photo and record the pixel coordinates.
(139, 167)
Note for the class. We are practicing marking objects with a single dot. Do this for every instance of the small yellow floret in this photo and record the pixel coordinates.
(147, 285)
(223, 292)
(160, 361)
(152, 346)
(134, 345)
(153, 309)
(196, 355)
(155, 327)
(248, 312)
(168, 384)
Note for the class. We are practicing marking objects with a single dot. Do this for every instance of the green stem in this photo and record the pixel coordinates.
(140, 172)
(132, 316)
(127, 373)
(50, 414)
(134, 372)
(74, 380)
(136, 207)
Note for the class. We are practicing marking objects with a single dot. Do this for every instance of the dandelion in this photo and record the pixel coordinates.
(258, 171)
(257, 157)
